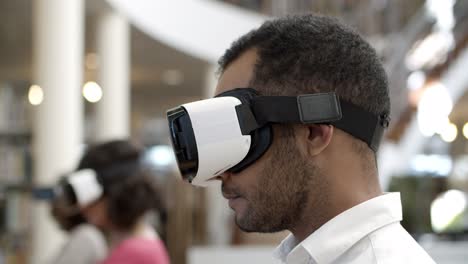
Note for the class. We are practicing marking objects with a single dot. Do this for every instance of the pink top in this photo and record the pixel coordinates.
(138, 251)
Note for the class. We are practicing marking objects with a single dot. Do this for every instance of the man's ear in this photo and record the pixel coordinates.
(314, 139)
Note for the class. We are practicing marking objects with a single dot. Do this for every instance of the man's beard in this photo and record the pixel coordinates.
(282, 191)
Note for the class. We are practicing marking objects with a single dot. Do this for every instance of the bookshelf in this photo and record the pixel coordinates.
(15, 173)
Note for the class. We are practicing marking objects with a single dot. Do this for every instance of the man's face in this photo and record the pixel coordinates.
(269, 195)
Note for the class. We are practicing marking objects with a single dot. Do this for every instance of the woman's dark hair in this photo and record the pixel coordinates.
(63, 206)
(67, 220)
(129, 188)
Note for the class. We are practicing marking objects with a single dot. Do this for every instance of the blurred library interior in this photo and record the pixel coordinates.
(77, 72)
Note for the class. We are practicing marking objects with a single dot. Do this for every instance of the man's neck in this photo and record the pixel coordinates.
(341, 197)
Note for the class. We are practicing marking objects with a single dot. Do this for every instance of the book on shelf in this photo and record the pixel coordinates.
(15, 173)
(13, 108)
(14, 140)
(14, 164)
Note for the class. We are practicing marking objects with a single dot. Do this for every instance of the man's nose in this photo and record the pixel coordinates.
(223, 176)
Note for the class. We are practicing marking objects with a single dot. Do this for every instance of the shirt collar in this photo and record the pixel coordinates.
(340, 233)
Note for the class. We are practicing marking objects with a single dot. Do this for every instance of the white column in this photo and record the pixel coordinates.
(219, 217)
(58, 68)
(211, 80)
(113, 47)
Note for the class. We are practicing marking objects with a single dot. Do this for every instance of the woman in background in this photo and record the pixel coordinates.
(85, 244)
(128, 194)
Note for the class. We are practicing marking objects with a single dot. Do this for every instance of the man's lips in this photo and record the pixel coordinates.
(229, 193)
(233, 199)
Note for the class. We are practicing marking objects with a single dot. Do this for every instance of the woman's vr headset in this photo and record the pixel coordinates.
(80, 188)
(74, 190)
(233, 130)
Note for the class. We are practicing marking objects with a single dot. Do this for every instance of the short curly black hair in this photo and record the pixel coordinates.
(314, 53)
(129, 187)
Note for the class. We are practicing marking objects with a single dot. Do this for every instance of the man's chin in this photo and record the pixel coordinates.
(244, 223)
(241, 219)
(242, 226)
(244, 217)
(251, 226)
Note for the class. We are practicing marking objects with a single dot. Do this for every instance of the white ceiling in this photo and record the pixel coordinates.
(149, 58)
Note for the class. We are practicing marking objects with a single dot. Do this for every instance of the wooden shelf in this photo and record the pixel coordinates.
(15, 135)
(23, 187)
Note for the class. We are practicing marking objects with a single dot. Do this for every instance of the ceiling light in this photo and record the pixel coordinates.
(92, 92)
(35, 95)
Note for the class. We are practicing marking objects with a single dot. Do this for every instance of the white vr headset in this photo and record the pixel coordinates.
(233, 130)
(81, 188)
(85, 186)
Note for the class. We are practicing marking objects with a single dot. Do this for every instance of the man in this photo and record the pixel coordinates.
(316, 180)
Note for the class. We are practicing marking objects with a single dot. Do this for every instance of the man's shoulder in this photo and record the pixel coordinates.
(393, 244)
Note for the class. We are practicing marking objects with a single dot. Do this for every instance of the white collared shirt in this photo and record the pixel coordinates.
(369, 232)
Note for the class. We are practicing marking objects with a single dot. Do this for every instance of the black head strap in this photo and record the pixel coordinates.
(320, 108)
(362, 124)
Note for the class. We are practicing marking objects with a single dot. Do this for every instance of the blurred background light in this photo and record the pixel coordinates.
(465, 130)
(35, 95)
(440, 165)
(447, 211)
(449, 133)
(433, 109)
(160, 157)
(430, 51)
(92, 92)
(416, 80)
(442, 11)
